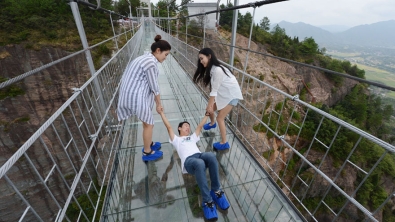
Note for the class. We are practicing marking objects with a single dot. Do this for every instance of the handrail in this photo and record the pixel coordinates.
(250, 89)
(31, 72)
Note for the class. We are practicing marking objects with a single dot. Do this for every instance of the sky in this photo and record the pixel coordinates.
(348, 13)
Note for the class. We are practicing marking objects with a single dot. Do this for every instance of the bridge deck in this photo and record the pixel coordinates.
(158, 191)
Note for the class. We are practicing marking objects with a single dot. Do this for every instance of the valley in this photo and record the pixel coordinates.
(378, 66)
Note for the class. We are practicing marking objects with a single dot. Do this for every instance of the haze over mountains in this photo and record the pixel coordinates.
(335, 28)
(380, 34)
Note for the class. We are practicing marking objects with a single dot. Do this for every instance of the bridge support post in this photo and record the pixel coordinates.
(234, 28)
(81, 32)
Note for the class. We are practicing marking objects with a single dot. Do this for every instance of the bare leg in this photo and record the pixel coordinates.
(221, 121)
(212, 119)
(147, 136)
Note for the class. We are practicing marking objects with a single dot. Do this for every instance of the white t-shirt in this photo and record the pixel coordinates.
(185, 146)
(223, 87)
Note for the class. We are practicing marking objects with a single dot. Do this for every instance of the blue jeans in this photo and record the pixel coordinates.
(196, 165)
(233, 102)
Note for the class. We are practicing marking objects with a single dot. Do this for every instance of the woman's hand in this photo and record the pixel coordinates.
(209, 109)
(210, 105)
(159, 109)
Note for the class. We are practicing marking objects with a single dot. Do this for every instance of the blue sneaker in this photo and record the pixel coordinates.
(152, 156)
(220, 146)
(154, 146)
(207, 126)
(220, 199)
(210, 211)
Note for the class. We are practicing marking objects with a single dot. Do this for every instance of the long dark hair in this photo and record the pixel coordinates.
(163, 45)
(202, 74)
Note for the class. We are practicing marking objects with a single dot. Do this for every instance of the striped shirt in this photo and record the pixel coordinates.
(139, 86)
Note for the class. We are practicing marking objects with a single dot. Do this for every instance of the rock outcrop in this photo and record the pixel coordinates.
(288, 77)
(20, 116)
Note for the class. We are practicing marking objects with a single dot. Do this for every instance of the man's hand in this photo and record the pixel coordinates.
(200, 126)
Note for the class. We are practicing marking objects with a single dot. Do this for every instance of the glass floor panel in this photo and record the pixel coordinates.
(158, 191)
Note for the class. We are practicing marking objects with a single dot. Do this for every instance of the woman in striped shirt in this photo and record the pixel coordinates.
(139, 89)
(225, 91)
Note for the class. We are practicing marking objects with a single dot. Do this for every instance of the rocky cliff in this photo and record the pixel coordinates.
(43, 92)
(40, 95)
(288, 77)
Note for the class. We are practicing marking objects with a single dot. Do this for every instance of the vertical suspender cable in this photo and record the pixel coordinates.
(84, 41)
(234, 28)
(186, 36)
(113, 31)
(249, 44)
(204, 29)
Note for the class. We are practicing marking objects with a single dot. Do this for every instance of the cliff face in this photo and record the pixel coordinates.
(44, 92)
(287, 77)
(21, 116)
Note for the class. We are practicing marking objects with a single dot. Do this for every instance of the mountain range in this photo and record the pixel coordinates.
(380, 34)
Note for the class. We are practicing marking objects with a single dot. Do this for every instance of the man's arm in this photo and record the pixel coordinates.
(200, 126)
(168, 126)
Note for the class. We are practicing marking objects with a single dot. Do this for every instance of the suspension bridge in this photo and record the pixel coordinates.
(93, 169)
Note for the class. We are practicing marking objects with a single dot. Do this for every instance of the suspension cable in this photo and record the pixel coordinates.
(248, 5)
(260, 3)
(98, 4)
(31, 72)
(302, 64)
(82, 2)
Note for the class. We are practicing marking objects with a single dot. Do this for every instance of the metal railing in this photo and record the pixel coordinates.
(68, 159)
(70, 156)
(309, 153)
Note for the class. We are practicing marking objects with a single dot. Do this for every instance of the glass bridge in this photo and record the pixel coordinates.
(158, 191)
(84, 165)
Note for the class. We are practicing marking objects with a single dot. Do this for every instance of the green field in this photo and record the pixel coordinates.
(371, 73)
(382, 76)
(375, 74)
(391, 95)
(344, 55)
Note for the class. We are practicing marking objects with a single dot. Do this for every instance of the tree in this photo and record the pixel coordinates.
(278, 34)
(265, 24)
(49, 20)
(122, 6)
(162, 6)
(202, 20)
(244, 23)
(309, 47)
(225, 18)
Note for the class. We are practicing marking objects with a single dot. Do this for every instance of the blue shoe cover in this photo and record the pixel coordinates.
(150, 157)
(154, 146)
(220, 146)
(210, 211)
(207, 126)
(220, 199)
